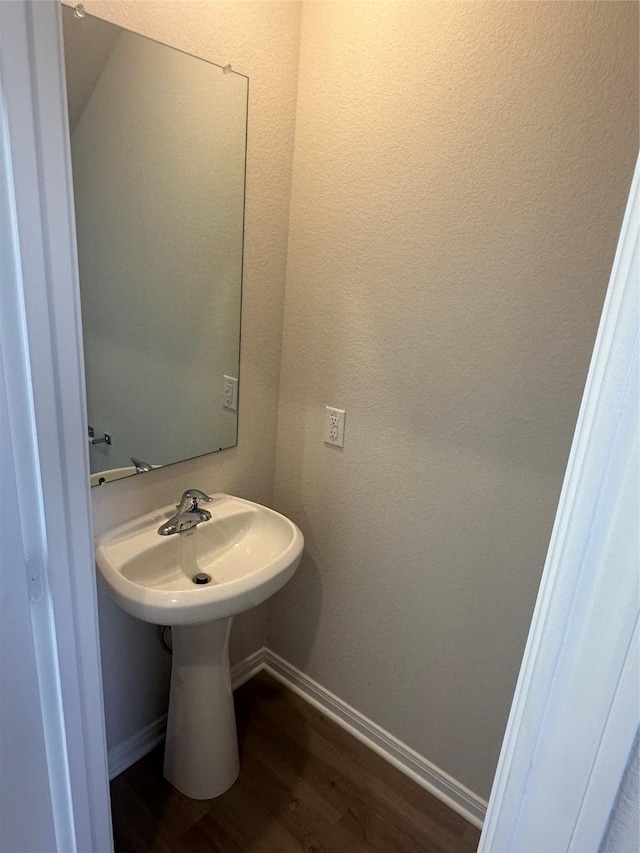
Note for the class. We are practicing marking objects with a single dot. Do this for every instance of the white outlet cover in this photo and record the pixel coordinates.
(334, 426)
(230, 393)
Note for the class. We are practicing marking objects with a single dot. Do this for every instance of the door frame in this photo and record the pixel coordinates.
(48, 398)
(560, 768)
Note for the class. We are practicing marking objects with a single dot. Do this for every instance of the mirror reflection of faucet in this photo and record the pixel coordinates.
(140, 466)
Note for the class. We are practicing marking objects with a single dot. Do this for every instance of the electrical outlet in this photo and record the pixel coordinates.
(230, 393)
(334, 426)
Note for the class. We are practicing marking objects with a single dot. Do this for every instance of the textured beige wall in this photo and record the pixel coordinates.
(261, 40)
(460, 175)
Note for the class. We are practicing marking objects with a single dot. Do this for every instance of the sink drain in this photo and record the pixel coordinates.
(201, 578)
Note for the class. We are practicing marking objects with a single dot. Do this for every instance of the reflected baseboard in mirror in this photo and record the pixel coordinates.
(158, 149)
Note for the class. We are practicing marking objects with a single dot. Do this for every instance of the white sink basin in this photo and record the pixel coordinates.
(111, 474)
(249, 552)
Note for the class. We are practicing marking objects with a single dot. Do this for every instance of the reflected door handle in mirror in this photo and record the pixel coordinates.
(105, 439)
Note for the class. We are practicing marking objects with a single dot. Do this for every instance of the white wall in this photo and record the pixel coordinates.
(160, 251)
(87, 47)
(459, 181)
(261, 40)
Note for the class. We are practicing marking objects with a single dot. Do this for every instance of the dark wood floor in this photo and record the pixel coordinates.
(304, 785)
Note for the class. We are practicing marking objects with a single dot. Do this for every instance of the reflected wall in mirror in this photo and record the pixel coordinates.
(158, 142)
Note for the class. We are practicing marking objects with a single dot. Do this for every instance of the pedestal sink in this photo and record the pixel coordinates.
(247, 552)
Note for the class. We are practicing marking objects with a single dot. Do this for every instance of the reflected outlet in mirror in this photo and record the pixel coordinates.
(158, 142)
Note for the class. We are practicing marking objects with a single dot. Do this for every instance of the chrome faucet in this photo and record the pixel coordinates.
(140, 466)
(188, 513)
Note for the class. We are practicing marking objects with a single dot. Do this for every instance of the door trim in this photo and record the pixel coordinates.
(575, 710)
(49, 335)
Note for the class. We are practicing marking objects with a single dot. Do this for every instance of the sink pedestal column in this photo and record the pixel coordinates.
(201, 752)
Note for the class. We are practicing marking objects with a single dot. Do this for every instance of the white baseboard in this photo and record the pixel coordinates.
(427, 775)
(133, 748)
(423, 772)
(247, 668)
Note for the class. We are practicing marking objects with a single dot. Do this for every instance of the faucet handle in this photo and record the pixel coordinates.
(189, 500)
(197, 494)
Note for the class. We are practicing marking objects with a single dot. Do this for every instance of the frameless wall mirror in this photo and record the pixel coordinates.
(158, 142)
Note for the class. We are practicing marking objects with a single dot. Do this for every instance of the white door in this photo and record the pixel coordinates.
(26, 809)
(53, 769)
(576, 708)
